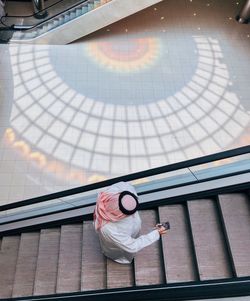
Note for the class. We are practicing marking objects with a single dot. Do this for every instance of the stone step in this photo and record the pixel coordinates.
(47, 262)
(8, 259)
(148, 264)
(70, 253)
(26, 265)
(69, 259)
(208, 239)
(177, 252)
(93, 262)
(119, 275)
(236, 213)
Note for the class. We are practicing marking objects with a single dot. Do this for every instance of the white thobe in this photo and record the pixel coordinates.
(120, 240)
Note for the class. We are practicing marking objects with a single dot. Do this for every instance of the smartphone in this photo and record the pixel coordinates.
(166, 225)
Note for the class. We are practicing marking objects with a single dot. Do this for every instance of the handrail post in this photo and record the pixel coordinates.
(39, 9)
(244, 15)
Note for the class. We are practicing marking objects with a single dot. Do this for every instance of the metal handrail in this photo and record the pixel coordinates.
(29, 16)
(134, 176)
(28, 27)
(192, 290)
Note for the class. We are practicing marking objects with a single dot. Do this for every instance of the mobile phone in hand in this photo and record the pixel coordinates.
(166, 225)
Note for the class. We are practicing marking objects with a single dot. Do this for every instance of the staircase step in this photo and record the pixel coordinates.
(72, 15)
(46, 271)
(90, 6)
(26, 265)
(56, 23)
(93, 262)
(236, 213)
(8, 259)
(66, 18)
(42, 30)
(87, 26)
(148, 264)
(84, 9)
(50, 26)
(18, 35)
(176, 245)
(61, 19)
(69, 259)
(119, 275)
(78, 12)
(69, 265)
(96, 3)
(208, 239)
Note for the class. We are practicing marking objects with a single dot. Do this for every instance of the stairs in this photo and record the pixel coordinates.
(209, 239)
(81, 9)
(76, 22)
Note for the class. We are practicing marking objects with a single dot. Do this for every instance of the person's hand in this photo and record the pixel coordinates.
(162, 230)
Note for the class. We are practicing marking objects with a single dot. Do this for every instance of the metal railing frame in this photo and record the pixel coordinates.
(200, 289)
(134, 176)
(166, 292)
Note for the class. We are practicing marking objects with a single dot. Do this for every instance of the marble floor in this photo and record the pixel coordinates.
(165, 85)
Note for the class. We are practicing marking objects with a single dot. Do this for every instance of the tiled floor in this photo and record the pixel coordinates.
(167, 84)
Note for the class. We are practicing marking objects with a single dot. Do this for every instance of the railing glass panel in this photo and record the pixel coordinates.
(163, 178)
(222, 167)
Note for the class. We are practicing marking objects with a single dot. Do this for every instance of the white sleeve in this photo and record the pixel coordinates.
(128, 243)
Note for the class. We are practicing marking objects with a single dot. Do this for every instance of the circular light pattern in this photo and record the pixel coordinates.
(125, 71)
(58, 123)
(125, 57)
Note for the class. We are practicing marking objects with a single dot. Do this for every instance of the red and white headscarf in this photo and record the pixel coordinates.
(107, 205)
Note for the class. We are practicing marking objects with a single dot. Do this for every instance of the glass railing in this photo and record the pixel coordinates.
(194, 171)
(210, 170)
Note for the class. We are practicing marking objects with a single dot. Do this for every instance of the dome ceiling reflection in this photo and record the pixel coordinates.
(123, 111)
(127, 72)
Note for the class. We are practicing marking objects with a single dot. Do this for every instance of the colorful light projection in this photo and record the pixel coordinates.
(102, 140)
(125, 70)
(41, 161)
(138, 54)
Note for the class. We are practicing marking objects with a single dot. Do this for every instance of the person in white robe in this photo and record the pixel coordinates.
(118, 224)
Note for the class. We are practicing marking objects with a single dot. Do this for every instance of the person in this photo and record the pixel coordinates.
(118, 224)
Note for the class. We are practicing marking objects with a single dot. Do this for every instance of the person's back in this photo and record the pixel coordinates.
(118, 223)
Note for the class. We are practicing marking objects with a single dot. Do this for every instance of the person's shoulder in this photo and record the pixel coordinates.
(116, 228)
(108, 228)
